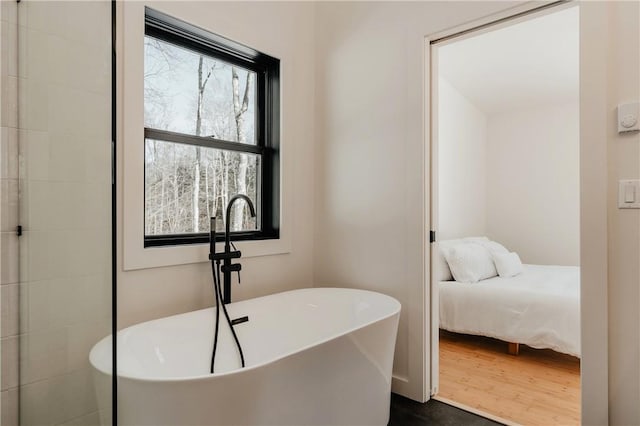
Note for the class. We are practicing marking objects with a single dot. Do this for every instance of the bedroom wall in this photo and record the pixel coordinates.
(462, 170)
(533, 183)
(157, 292)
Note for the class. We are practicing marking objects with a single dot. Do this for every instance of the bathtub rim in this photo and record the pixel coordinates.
(396, 312)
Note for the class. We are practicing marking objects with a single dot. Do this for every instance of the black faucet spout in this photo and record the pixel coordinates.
(227, 268)
(252, 211)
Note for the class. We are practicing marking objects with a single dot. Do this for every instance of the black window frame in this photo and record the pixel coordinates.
(267, 69)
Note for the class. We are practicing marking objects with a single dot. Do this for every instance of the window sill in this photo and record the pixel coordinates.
(155, 257)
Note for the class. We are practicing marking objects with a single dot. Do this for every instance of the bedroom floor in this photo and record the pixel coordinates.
(537, 387)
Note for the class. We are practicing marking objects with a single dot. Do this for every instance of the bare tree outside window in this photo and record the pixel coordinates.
(194, 94)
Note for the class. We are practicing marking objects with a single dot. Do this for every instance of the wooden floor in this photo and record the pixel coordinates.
(537, 387)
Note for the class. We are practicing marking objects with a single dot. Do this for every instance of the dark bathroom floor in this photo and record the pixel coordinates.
(405, 412)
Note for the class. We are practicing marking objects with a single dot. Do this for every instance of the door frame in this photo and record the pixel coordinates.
(593, 175)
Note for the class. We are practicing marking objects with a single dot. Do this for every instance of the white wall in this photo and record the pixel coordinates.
(462, 165)
(533, 188)
(369, 198)
(623, 153)
(371, 191)
(513, 176)
(286, 31)
(610, 66)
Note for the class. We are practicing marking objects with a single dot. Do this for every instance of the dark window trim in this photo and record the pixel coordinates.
(173, 30)
(267, 69)
(206, 142)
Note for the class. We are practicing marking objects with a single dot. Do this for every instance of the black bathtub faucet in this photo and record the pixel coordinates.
(228, 254)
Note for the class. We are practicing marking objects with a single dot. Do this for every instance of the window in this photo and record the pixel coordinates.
(211, 117)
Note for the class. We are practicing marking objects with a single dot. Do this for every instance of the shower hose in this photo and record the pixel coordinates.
(215, 270)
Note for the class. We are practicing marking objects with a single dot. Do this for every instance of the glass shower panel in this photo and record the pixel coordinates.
(64, 120)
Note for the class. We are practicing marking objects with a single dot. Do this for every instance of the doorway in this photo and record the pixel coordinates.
(505, 207)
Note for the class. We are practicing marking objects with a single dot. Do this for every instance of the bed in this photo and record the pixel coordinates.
(539, 307)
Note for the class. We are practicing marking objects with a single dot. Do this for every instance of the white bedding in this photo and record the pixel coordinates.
(539, 307)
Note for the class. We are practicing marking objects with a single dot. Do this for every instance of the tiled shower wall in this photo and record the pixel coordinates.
(56, 137)
(9, 277)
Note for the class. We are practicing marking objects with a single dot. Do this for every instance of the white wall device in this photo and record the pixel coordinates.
(629, 194)
(628, 117)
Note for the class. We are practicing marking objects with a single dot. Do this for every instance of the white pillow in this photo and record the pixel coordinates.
(470, 262)
(443, 272)
(507, 264)
(493, 247)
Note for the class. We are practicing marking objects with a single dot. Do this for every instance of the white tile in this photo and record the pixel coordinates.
(39, 253)
(54, 304)
(38, 311)
(9, 49)
(23, 255)
(88, 21)
(97, 119)
(9, 206)
(73, 197)
(9, 407)
(65, 109)
(35, 160)
(35, 109)
(9, 12)
(10, 303)
(23, 101)
(89, 204)
(38, 55)
(94, 206)
(68, 259)
(9, 105)
(82, 337)
(97, 161)
(23, 307)
(79, 65)
(95, 292)
(9, 252)
(23, 58)
(80, 112)
(39, 207)
(22, 154)
(4, 53)
(10, 362)
(59, 307)
(34, 404)
(75, 398)
(91, 251)
(67, 153)
(91, 419)
(9, 149)
(23, 19)
(38, 14)
(43, 354)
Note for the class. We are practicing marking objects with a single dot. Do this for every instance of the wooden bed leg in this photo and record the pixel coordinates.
(514, 348)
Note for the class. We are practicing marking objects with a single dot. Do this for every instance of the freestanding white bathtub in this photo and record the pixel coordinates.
(320, 356)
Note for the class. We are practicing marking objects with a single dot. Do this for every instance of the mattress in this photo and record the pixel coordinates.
(539, 307)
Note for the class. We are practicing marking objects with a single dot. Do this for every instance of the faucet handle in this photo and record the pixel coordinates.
(236, 267)
(226, 255)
